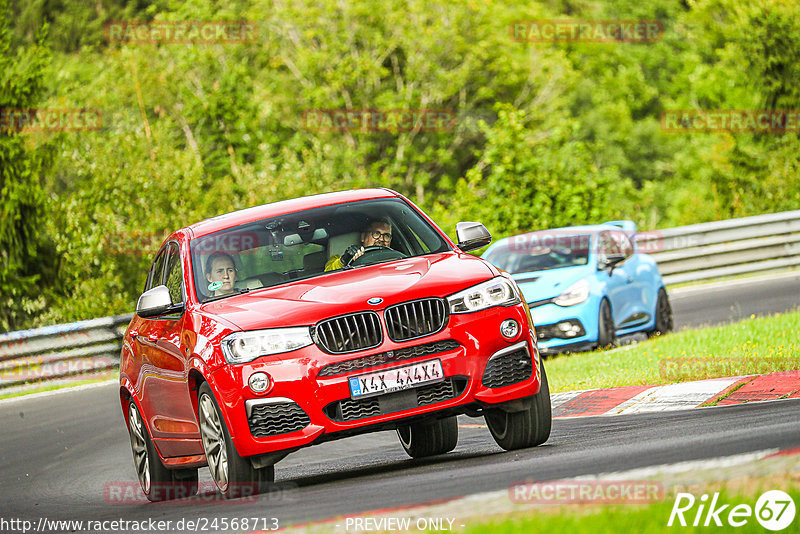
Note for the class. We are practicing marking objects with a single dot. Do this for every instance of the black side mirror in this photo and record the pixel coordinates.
(611, 261)
(472, 235)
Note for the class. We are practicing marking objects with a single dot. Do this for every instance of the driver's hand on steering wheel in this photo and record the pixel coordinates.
(352, 252)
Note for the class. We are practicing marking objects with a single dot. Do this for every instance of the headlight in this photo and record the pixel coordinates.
(241, 347)
(495, 292)
(574, 294)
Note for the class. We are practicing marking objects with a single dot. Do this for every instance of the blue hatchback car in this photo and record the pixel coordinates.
(585, 285)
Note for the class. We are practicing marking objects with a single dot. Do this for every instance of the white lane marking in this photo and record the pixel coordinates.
(54, 392)
(684, 467)
(673, 396)
(686, 291)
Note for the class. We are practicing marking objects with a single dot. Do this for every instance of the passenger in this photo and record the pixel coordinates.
(220, 273)
(378, 233)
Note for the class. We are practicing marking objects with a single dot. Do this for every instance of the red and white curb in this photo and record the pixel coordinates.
(681, 396)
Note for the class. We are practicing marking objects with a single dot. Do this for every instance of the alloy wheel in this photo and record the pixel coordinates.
(214, 442)
(141, 459)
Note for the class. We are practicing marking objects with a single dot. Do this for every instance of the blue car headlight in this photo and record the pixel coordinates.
(574, 294)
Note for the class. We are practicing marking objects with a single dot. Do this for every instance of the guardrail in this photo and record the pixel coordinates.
(725, 248)
(54, 355)
(59, 354)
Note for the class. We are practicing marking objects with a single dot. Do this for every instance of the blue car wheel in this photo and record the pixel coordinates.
(606, 333)
(663, 314)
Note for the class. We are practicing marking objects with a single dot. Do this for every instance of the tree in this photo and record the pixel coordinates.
(28, 264)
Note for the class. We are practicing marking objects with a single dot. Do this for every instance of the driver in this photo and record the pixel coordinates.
(220, 274)
(378, 233)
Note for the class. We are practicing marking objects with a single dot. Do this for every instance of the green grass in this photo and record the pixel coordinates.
(640, 519)
(757, 345)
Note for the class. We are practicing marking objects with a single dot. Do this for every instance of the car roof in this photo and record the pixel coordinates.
(274, 209)
(591, 229)
(567, 230)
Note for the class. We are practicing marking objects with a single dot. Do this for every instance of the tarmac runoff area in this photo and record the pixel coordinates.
(637, 486)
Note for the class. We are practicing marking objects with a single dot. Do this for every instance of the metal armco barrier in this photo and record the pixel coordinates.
(59, 354)
(724, 248)
(65, 353)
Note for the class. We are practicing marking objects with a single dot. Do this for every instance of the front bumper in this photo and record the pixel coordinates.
(547, 317)
(304, 407)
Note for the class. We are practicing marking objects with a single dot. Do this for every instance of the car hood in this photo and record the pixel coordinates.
(306, 302)
(540, 285)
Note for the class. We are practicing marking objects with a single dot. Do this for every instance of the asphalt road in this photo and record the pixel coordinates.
(724, 302)
(65, 456)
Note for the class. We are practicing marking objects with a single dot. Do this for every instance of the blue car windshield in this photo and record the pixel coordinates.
(540, 252)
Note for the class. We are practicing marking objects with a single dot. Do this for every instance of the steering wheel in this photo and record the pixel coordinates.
(377, 253)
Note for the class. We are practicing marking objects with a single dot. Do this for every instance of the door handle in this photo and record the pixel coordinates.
(630, 279)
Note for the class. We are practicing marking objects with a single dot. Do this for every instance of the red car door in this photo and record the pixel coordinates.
(165, 388)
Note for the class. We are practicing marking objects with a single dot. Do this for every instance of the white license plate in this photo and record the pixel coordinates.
(395, 379)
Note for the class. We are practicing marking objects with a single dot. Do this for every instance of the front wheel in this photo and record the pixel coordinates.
(429, 438)
(663, 314)
(528, 428)
(606, 333)
(234, 476)
(158, 483)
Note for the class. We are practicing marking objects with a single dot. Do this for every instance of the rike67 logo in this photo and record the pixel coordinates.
(774, 510)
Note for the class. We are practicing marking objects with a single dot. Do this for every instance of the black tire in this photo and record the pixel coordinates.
(606, 333)
(664, 322)
(158, 483)
(528, 428)
(429, 438)
(233, 475)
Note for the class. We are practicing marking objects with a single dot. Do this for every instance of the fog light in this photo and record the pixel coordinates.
(569, 328)
(509, 328)
(259, 382)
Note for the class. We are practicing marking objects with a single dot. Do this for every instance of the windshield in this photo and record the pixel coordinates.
(309, 243)
(540, 252)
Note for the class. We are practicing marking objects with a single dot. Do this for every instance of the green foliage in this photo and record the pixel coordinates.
(546, 134)
(27, 259)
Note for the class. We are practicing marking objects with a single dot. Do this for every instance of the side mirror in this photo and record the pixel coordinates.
(611, 261)
(156, 301)
(472, 235)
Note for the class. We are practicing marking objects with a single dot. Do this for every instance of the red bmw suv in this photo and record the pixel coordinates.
(285, 325)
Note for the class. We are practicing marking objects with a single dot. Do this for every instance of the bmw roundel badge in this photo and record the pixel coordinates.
(375, 301)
